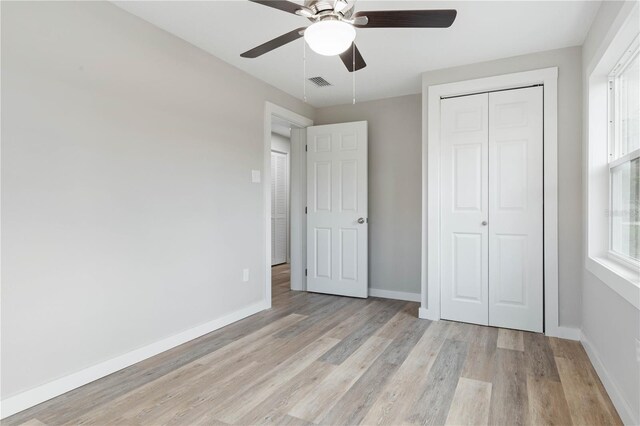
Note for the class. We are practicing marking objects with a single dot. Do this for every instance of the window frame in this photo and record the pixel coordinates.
(618, 155)
(619, 276)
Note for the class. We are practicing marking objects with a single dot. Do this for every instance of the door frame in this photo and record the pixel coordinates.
(430, 262)
(296, 206)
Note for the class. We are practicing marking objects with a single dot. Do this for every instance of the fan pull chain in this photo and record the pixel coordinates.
(353, 68)
(304, 71)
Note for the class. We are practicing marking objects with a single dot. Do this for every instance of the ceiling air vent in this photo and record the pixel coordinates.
(319, 81)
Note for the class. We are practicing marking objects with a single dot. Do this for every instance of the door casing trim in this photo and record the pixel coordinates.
(430, 260)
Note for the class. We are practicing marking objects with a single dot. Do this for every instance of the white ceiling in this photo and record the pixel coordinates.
(483, 30)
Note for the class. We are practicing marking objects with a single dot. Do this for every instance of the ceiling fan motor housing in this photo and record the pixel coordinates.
(321, 8)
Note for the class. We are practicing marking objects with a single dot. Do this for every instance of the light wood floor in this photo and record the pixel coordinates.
(333, 360)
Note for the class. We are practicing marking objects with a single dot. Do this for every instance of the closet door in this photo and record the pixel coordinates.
(279, 207)
(464, 247)
(516, 209)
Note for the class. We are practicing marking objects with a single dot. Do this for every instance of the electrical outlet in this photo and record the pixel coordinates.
(255, 176)
(245, 275)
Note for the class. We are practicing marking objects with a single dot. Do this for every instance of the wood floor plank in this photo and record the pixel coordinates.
(470, 404)
(539, 357)
(368, 308)
(317, 404)
(510, 339)
(33, 422)
(353, 406)
(509, 400)
(352, 342)
(434, 403)
(547, 403)
(281, 401)
(398, 322)
(481, 363)
(403, 389)
(242, 404)
(587, 405)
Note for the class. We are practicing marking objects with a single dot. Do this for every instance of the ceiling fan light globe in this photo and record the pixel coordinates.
(330, 37)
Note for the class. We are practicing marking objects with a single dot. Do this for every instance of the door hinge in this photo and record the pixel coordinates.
(306, 147)
(305, 210)
(305, 272)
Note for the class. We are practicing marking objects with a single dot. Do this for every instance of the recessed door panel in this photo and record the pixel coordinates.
(322, 249)
(349, 254)
(511, 175)
(467, 176)
(511, 279)
(467, 267)
(337, 221)
(349, 186)
(322, 187)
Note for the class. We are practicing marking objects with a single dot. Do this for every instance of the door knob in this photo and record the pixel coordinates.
(361, 220)
(484, 223)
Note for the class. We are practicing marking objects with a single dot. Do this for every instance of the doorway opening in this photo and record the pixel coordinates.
(285, 197)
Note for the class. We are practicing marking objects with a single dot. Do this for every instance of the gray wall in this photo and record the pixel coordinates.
(569, 65)
(610, 324)
(127, 203)
(394, 187)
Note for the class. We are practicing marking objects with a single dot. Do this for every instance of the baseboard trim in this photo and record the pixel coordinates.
(397, 295)
(569, 333)
(35, 396)
(624, 408)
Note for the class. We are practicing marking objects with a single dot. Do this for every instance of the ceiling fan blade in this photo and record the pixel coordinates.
(348, 58)
(274, 44)
(283, 5)
(441, 18)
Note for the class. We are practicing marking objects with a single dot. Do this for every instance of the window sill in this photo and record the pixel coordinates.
(623, 280)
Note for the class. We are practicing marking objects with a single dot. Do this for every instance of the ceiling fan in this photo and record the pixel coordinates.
(334, 24)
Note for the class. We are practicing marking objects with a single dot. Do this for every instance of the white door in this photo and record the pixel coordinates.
(516, 209)
(491, 215)
(464, 246)
(337, 213)
(279, 207)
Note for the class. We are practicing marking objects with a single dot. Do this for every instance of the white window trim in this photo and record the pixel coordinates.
(618, 273)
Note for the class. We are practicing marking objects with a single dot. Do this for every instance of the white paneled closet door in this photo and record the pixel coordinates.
(491, 214)
(464, 246)
(279, 207)
(516, 209)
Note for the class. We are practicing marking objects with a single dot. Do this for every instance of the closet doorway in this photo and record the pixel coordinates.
(490, 202)
(492, 208)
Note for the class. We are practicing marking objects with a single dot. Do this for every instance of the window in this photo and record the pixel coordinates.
(624, 157)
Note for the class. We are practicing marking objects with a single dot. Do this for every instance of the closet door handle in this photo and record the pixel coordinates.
(484, 223)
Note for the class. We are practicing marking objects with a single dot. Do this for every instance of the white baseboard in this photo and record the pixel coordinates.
(42, 393)
(621, 404)
(569, 333)
(397, 295)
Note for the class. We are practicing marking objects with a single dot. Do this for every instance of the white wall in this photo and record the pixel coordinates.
(128, 211)
(610, 324)
(394, 187)
(568, 61)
